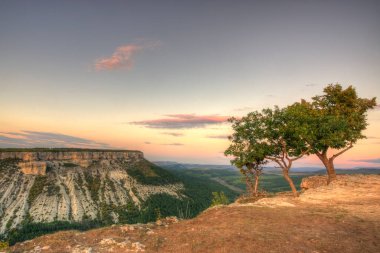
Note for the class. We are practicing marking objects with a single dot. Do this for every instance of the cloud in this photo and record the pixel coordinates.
(121, 58)
(180, 121)
(377, 107)
(222, 136)
(373, 137)
(375, 160)
(173, 144)
(45, 139)
(147, 142)
(311, 84)
(173, 134)
(244, 109)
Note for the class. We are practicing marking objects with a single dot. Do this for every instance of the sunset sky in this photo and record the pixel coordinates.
(163, 76)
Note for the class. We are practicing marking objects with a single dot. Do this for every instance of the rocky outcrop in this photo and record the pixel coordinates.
(33, 167)
(313, 182)
(47, 186)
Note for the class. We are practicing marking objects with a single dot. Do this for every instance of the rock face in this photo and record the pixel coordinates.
(76, 185)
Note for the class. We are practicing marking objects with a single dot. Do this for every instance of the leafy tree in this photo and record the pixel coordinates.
(273, 134)
(248, 154)
(337, 120)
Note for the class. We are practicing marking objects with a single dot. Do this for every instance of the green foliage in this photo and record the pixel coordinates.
(219, 198)
(93, 184)
(4, 246)
(31, 230)
(7, 166)
(146, 172)
(70, 165)
(37, 188)
(339, 117)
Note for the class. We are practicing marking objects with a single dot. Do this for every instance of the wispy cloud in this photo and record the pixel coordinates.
(180, 121)
(45, 139)
(221, 136)
(173, 144)
(375, 160)
(123, 56)
(244, 109)
(173, 134)
(311, 84)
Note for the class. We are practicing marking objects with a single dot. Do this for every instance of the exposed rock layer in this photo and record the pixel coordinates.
(72, 186)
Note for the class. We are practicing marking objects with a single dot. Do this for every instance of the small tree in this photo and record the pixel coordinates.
(338, 120)
(247, 153)
(273, 135)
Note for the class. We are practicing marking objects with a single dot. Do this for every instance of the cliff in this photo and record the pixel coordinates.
(36, 162)
(76, 185)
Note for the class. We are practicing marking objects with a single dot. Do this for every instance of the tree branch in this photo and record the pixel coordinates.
(341, 152)
(301, 155)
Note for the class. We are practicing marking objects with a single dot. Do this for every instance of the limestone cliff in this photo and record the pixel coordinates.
(75, 185)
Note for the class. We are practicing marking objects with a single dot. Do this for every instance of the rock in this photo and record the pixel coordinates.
(313, 182)
(150, 232)
(107, 241)
(172, 219)
(138, 247)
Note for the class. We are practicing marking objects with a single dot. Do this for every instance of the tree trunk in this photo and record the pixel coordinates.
(329, 164)
(256, 184)
(249, 186)
(285, 172)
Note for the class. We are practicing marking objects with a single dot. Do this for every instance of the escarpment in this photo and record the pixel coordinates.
(73, 185)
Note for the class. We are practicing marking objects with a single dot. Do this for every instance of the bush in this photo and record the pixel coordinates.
(219, 198)
(4, 245)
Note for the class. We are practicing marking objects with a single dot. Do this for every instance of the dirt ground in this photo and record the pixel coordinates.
(332, 218)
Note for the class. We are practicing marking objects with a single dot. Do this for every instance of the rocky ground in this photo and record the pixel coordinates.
(341, 217)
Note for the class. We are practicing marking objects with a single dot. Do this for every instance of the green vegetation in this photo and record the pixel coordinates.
(8, 165)
(37, 188)
(146, 172)
(334, 120)
(4, 246)
(93, 184)
(70, 165)
(219, 198)
(269, 181)
(31, 230)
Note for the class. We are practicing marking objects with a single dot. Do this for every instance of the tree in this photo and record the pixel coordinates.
(248, 154)
(337, 120)
(273, 134)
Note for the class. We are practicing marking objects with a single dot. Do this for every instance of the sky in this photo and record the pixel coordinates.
(163, 76)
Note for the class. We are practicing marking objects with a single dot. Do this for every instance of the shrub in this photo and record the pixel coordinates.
(219, 198)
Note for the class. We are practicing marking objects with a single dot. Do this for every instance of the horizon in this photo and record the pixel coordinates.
(163, 78)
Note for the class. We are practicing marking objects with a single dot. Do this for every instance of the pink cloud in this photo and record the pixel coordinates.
(121, 58)
(177, 121)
